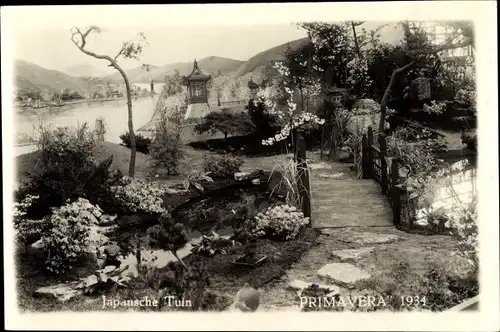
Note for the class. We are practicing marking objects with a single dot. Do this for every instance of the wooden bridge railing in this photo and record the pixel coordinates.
(303, 177)
(385, 170)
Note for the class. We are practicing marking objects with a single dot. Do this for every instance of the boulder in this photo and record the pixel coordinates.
(343, 274)
(62, 292)
(238, 176)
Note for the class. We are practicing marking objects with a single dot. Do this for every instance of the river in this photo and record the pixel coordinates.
(113, 112)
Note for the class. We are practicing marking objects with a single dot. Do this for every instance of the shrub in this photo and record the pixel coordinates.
(227, 123)
(469, 139)
(69, 238)
(140, 196)
(142, 143)
(166, 148)
(27, 231)
(222, 167)
(168, 235)
(69, 172)
(443, 291)
(465, 230)
(265, 124)
(187, 284)
(281, 222)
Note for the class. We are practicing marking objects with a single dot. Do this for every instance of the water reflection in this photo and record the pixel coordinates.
(113, 112)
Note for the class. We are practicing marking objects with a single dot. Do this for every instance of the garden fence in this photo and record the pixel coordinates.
(303, 176)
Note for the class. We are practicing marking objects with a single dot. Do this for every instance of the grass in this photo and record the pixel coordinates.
(28, 163)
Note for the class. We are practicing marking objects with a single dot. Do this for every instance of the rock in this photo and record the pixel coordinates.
(331, 176)
(97, 239)
(370, 238)
(37, 244)
(108, 269)
(300, 285)
(370, 105)
(173, 191)
(97, 213)
(113, 250)
(62, 292)
(238, 176)
(343, 274)
(352, 254)
(89, 216)
(320, 165)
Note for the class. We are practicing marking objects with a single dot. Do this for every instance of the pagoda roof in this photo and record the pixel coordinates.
(335, 89)
(252, 84)
(197, 74)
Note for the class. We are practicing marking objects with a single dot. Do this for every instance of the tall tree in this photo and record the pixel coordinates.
(129, 50)
(460, 36)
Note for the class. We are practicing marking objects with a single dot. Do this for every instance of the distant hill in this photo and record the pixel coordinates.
(28, 76)
(273, 54)
(84, 70)
(211, 65)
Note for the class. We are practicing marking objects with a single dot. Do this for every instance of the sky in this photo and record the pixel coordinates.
(182, 33)
(52, 48)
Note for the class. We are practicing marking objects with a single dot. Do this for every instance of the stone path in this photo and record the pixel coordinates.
(337, 272)
(339, 201)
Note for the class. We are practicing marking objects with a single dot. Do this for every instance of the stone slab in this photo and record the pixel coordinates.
(238, 176)
(62, 292)
(352, 254)
(343, 274)
(331, 176)
(363, 238)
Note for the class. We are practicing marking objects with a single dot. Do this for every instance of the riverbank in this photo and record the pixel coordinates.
(26, 110)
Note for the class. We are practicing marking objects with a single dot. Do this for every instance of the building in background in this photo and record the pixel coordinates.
(197, 93)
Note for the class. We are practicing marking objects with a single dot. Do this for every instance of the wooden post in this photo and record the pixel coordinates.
(396, 199)
(303, 174)
(369, 152)
(365, 162)
(383, 163)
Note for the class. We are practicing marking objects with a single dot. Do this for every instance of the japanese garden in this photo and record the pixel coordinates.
(335, 166)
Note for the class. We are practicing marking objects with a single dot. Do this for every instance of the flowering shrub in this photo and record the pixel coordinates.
(467, 96)
(140, 196)
(283, 222)
(358, 79)
(288, 117)
(435, 107)
(27, 230)
(464, 228)
(69, 238)
(222, 167)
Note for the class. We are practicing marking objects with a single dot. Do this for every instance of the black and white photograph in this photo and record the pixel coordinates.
(232, 160)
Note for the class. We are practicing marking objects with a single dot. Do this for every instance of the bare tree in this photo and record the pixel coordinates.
(129, 50)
